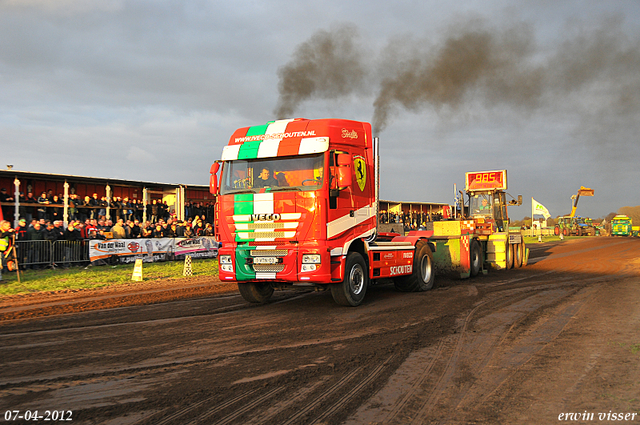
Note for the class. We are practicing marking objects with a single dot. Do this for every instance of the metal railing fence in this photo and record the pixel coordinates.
(535, 232)
(32, 254)
(70, 252)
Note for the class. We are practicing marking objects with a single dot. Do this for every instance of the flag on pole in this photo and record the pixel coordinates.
(538, 208)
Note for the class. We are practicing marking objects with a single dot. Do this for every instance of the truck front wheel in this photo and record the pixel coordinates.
(254, 292)
(351, 290)
(423, 276)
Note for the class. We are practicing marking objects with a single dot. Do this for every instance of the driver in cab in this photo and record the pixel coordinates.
(265, 179)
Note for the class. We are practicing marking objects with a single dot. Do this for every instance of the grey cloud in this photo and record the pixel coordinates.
(176, 78)
(142, 53)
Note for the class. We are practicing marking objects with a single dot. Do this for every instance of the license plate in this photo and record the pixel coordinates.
(265, 260)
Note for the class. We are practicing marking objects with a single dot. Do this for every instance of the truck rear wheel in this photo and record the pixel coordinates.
(351, 290)
(556, 231)
(423, 276)
(475, 257)
(253, 292)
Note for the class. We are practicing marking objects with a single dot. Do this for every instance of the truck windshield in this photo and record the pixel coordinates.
(480, 205)
(299, 173)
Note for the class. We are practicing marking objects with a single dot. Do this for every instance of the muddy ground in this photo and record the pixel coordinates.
(534, 345)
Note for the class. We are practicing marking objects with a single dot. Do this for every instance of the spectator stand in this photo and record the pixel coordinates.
(401, 217)
(72, 190)
(67, 198)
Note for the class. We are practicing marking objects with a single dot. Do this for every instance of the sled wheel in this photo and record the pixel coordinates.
(351, 290)
(509, 255)
(519, 254)
(475, 257)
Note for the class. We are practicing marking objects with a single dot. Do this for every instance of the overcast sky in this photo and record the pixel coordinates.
(152, 90)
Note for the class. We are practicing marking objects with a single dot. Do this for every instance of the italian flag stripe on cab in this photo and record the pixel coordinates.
(278, 138)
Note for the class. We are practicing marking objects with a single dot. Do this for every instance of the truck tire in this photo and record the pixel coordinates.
(423, 276)
(509, 255)
(556, 230)
(475, 257)
(350, 292)
(565, 232)
(519, 254)
(253, 292)
(579, 231)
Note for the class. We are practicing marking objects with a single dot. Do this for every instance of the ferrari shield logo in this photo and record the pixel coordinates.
(361, 171)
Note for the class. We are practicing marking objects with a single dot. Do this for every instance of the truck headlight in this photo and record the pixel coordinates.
(225, 263)
(309, 262)
(311, 259)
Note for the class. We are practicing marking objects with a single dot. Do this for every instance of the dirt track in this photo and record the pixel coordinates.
(559, 336)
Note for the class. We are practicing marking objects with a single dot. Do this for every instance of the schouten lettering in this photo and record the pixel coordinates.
(265, 217)
(401, 270)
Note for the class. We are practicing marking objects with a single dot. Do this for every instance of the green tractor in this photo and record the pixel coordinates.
(563, 226)
(571, 224)
(574, 226)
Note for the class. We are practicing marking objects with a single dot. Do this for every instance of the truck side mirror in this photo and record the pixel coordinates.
(345, 177)
(213, 180)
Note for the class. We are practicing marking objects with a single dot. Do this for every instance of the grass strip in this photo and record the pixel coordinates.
(101, 276)
(98, 276)
(550, 238)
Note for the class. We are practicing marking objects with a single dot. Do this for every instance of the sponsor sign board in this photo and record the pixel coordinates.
(152, 250)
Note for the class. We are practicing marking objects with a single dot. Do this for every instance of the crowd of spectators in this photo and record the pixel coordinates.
(51, 207)
(413, 220)
(101, 228)
(41, 219)
(90, 212)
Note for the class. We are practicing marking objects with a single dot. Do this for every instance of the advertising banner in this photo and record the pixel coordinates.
(152, 250)
(200, 247)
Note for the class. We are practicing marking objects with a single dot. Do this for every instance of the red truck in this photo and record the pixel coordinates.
(297, 206)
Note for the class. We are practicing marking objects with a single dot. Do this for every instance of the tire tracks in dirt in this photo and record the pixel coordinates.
(437, 356)
(521, 317)
(315, 403)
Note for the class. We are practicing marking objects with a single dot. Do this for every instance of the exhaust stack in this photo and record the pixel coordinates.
(376, 189)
